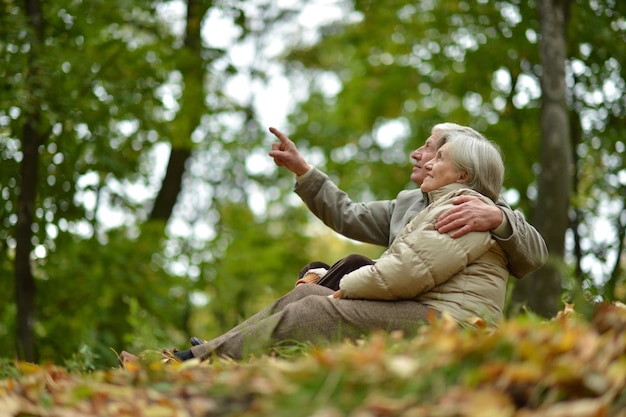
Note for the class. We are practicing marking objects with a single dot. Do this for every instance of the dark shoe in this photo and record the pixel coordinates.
(195, 341)
(183, 355)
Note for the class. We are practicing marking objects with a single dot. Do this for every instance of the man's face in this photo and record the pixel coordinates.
(422, 155)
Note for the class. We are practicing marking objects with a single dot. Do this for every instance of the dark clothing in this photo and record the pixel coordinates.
(343, 267)
(338, 270)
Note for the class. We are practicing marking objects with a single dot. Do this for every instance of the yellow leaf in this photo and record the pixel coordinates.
(475, 403)
(27, 367)
(522, 372)
(575, 408)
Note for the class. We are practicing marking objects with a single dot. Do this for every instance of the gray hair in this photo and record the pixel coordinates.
(448, 129)
(473, 153)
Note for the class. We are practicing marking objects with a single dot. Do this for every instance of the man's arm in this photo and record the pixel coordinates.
(524, 246)
(367, 223)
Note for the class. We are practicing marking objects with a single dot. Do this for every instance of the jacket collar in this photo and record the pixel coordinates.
(435, 195)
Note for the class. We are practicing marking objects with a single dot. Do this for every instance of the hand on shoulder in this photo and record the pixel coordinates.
(469, 214)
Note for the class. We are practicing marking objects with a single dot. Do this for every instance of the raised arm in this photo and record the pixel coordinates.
(360, 221)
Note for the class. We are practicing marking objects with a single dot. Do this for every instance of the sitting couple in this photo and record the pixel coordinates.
(451, 246)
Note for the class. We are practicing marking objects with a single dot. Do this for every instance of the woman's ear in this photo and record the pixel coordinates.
(463, 177)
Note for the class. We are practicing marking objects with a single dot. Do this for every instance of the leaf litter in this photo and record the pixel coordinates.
(565, 367)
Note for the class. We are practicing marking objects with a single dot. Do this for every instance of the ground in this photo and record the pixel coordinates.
(569, 366)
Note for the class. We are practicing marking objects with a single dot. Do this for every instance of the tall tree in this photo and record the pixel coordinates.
(555, 180)
(65, 93)
(598, 121)
(191, 66)
(32, 138)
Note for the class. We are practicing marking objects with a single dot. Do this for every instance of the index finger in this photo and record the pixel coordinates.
(280, 135)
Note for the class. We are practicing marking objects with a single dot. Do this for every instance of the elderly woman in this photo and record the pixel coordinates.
(465, 276)
(423, 272)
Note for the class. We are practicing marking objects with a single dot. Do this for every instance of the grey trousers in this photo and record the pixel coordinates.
(306, 314)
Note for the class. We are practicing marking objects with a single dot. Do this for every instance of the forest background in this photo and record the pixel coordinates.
(137, 200)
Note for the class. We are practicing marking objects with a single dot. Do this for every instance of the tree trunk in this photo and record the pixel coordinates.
(171, 186)
(189, 115)
(29, 170)
(542, 291)
(192, 66)
(617, 270)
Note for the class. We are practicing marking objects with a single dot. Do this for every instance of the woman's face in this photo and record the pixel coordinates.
(441, 171)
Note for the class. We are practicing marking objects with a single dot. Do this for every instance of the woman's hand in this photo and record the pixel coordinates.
(336, 294)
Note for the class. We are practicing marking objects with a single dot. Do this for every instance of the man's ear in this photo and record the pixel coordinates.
(463, 177)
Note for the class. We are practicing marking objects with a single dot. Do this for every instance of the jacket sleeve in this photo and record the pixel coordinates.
(525, 248)
(419, 259)
(365, 222)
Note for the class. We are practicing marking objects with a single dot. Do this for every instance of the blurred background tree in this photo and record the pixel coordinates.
(138, 204)
(112, 113)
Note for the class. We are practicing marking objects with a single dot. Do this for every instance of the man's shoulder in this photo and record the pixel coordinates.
(410, 194)
(410, 201)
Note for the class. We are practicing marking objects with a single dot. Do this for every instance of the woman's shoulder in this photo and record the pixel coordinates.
(458, 191)
(472, 192)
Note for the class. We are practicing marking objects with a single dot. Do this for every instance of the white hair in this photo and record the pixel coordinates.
(471, 152)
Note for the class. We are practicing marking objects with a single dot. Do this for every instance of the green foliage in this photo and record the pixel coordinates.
(83, 361)
(107, 296)
(261, 261)
(431, 73)
(118, 86)
(8, 369)
(475, 63)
